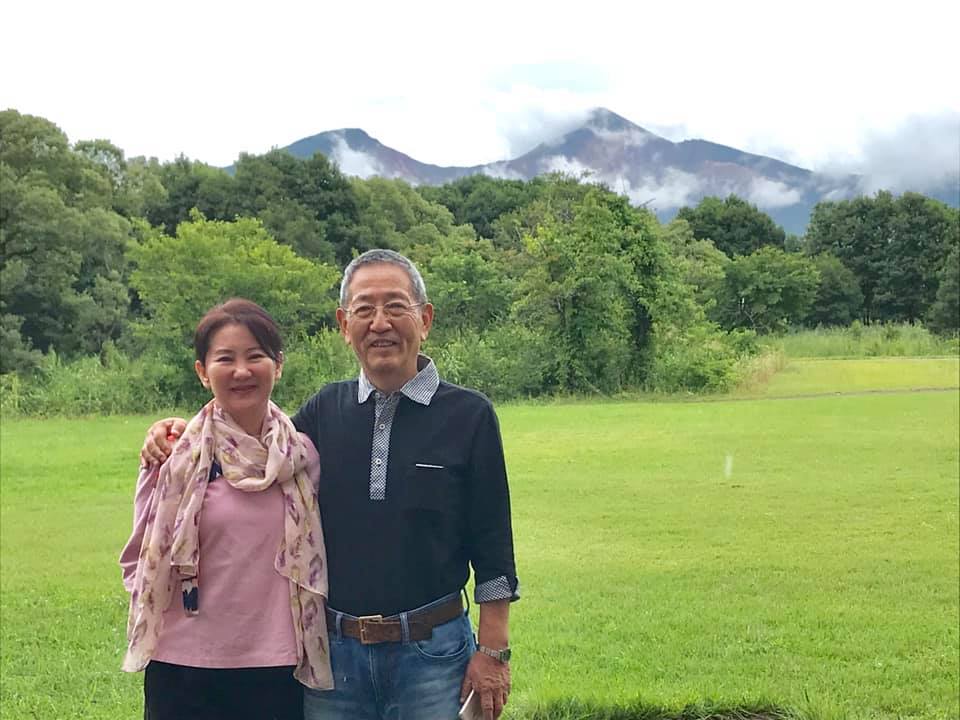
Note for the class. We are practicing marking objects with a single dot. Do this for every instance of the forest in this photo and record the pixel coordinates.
(553, 286)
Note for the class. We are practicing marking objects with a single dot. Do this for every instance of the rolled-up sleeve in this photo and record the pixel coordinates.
(489, 530)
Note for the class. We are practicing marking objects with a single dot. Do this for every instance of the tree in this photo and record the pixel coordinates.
(62, 263)
(307, 204)
(920, 237)
(479, 200)
(586, 287)
(698, 262)
(209, 261)
(767, 291)
(838, 300)
(894, 247)
(944, 315)
(735, 226)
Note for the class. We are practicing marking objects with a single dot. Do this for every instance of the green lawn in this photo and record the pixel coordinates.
(805, 377)
(797, 553)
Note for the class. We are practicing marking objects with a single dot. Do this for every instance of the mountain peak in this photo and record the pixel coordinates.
(602, 121)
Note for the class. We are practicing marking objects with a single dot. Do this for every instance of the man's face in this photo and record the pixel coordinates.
(386, 345)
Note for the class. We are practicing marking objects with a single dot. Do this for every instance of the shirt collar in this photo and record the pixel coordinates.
(420, 388)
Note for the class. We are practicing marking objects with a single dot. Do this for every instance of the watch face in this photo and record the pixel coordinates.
(505, 655)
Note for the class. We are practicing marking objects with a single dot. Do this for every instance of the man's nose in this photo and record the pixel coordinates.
(380, 321)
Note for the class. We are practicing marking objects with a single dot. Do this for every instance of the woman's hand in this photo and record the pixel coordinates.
(160, 439)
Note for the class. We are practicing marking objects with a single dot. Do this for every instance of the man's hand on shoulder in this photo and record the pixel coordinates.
(160, 439)
(490, 679)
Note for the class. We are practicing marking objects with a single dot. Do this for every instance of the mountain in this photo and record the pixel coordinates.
(629, 159)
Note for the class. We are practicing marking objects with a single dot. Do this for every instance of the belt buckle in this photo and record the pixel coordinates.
(362, 623)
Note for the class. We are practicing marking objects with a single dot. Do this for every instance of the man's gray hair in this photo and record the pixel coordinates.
(377, 256)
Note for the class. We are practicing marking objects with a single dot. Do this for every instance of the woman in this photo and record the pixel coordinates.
(226, 566)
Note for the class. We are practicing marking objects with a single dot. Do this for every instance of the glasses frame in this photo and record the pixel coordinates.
(410, 307)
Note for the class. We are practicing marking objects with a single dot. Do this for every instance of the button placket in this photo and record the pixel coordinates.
(385, 408)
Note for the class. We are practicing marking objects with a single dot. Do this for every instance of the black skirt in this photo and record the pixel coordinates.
(177, 692)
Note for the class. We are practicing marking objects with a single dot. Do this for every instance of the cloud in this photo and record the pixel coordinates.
(633, 137)
(920, 153)
(500, 171)
(766, 193)
(528, 126)
(352, 162)
(563, 164)
(675, 190)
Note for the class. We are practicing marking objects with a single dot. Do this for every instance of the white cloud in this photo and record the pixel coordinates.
(563, 164)
(770, 194)
(501, 172)
(675, 190)
(919, 154)
(261, 75)
(353, 162)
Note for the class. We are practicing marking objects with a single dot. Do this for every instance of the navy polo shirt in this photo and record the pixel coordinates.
(445, 505)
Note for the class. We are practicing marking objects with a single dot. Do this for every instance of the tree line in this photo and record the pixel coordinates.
(542, 286)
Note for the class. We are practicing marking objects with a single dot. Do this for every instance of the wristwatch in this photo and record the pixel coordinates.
(501, 655)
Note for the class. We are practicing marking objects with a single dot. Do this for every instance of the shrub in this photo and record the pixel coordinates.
(310, 363)
(508, 361)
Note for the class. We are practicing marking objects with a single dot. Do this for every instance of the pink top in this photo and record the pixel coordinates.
(245, 618)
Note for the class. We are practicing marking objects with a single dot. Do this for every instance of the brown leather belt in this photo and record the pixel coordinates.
(371, 629)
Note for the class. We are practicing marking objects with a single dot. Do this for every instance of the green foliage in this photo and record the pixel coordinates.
(944, 315)
(63, 274)
(838, 300)
(593, 294)
(894, 246)
(698, 263)
(393, 215)
(580, 291)
(468, 283)
(700, 360)
(767, 291)
(180, 278)
(480, 200)
(209, 261)
(505, 362)
(858, 340)
(307, 204)
(735, 226)
(98, 386)
(310, 362)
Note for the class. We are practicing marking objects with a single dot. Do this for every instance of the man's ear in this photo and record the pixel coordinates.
(426, 320)
(342, 322)
(204, 380)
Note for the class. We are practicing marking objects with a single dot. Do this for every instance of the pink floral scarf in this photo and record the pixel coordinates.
(170, 552)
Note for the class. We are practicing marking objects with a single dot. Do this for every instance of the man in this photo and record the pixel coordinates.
(413, 491)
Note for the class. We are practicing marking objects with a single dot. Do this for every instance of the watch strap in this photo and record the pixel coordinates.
(501, 655)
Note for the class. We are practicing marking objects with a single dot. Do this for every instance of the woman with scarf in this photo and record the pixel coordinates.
(226, 566)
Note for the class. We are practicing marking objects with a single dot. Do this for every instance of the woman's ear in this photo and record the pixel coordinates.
(280, 359)
(204, 380)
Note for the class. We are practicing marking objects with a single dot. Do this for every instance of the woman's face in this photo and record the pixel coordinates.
(240, 374)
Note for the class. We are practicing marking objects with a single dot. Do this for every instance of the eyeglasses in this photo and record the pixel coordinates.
(395, 310)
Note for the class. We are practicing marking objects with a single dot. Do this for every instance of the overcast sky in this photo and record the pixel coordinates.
(838, 85)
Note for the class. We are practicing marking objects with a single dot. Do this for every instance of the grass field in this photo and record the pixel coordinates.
(819, 376)
(792, 553)
(891, 340)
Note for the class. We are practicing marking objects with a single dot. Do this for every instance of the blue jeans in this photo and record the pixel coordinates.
(417, 680)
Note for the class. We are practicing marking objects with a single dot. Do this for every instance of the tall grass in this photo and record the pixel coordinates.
(857, 341)
(116, 384)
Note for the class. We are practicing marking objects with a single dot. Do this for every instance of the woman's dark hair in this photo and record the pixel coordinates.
(238, 311)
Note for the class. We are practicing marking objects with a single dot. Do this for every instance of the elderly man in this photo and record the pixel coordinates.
(413, 491)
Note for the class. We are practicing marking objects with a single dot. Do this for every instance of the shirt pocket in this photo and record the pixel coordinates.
(431, 488)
